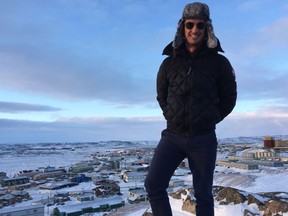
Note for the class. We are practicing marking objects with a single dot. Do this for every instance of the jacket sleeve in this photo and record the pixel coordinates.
(162, 86)
(227, 89)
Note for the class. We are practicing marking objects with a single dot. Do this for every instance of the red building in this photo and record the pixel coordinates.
(269, 142)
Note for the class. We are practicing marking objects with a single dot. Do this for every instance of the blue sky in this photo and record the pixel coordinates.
(85, 70)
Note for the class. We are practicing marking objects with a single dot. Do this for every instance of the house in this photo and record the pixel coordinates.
(61, 197)
(137, 195)
(11, 197)
(8, 199)
(85, 197)
(20, 195)
(106, 188)
(134, 176)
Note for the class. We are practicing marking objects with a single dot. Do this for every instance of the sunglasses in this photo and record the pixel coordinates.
(199, 25)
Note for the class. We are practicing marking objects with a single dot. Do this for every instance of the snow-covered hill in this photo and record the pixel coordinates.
(16, 157)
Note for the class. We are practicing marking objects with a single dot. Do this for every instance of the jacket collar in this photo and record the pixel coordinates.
(181, 51)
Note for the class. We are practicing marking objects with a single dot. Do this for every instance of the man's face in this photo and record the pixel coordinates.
(194, 32)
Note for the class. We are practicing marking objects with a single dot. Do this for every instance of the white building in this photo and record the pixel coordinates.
(137, 195)
(32, 210)
(134, 176)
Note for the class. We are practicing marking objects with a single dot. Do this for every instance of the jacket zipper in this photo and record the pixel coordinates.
(189, 71)
(187, 105)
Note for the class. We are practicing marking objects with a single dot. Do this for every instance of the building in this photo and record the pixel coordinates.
(20, 195)
(269, 163)
(97, 205)
(259, 154)
(6, 182)
(81, 178)
(32, 210)
(240, 165)
(86, 196)
(60, 197)
(57, 185)
(106, 188)
(84, 166)
(281, 143)
(265, 154)
(257, 159)
(50, 169)
(45, 175)
(11, 197)
(113, 164)
(176, 183)
(80, 169)
(138, 168)
(3, 175)
(7, 200)
(137, 195)
(134, 176)
(269, 142)
(88, 163)
(27, 173)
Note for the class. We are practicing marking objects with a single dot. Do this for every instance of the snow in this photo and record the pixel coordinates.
(266, 179)
(229, 210)
(139, 212)
(270, 182)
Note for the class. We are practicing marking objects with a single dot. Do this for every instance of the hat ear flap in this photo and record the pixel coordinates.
(212, 40)
(179, 38)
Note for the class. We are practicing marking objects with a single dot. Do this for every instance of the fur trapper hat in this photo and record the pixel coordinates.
(195, 10)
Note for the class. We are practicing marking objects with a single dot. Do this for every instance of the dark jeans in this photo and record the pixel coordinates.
(201, 152)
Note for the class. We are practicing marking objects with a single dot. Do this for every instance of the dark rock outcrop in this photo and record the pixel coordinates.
(189, 205)
(272, 203)
(230, 195)
(273, 207)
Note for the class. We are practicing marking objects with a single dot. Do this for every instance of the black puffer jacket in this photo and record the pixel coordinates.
(195, 92)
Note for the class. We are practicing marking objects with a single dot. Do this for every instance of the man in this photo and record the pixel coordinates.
(196, 89)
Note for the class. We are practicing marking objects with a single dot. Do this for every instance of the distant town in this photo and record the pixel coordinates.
(115, 179)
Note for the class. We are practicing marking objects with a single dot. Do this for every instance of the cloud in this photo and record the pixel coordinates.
(103, 129)
(77, 54)
(105, 81)
(259, 60)
(15, 107)
(269, 39)
(110, 51)
(249, 5)
(252, 125)
(268, 119)
(262, 84)
(81, 130)
(274, 110)
(285, 8)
